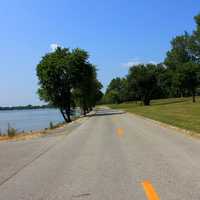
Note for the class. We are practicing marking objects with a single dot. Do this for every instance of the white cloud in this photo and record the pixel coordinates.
(131, 63)
(54, 46)
(152, 62)
(136, 61)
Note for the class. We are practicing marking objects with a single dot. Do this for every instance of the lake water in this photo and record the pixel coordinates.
(27, 120)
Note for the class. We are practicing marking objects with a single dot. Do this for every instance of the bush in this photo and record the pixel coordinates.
(11, 131)
(51, 126)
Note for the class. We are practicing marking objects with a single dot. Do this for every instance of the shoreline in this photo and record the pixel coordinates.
(32, 134)
(27, 121)
(43, 132)
(39, 133)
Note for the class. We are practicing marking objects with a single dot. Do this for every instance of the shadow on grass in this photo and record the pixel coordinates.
(170, 102)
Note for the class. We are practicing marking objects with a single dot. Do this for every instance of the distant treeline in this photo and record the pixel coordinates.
(27, 107)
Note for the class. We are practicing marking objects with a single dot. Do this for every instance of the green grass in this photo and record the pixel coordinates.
(180, 112)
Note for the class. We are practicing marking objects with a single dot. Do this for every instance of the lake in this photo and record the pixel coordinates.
(29, 120)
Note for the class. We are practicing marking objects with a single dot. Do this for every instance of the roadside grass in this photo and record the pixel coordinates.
(180, 112)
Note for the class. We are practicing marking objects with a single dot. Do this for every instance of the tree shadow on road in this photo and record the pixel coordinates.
(106, 113)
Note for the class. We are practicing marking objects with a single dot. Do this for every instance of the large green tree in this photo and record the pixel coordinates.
(88, 91)
(195, 41)
(182, 61)
(62, 75)
(179, 53)
(117, 91)
(56, 80)
(144, 81)
(189, 76)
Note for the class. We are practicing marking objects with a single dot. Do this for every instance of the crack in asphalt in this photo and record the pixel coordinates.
(27, 164)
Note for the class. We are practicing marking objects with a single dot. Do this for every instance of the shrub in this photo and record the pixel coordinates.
(51, 126)
(11, 131)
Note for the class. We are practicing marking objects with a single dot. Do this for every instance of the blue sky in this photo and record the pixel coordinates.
(116, 34)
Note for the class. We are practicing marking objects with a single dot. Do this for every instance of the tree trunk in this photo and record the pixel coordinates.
(146, 101)
(63, 114)
(68, 108)
(68, 115)
(193, 97)
(68, 112)
(84, 112)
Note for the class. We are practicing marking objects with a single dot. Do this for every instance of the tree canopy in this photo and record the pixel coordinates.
(177, 76)
(67, 79)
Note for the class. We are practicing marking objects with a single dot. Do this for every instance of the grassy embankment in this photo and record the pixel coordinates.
(180, 112)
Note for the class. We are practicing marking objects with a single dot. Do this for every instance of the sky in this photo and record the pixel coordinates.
(116, 33)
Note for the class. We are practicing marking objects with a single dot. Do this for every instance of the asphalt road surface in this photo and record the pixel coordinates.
(108, 156)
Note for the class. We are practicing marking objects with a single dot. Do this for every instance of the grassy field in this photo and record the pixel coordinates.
(180, 112)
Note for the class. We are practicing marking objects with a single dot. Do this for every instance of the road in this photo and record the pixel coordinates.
(108, 156)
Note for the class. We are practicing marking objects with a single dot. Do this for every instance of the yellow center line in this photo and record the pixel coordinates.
(149, 190)
(120, 132)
